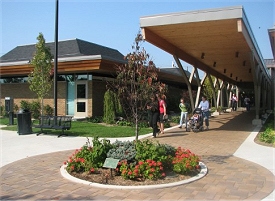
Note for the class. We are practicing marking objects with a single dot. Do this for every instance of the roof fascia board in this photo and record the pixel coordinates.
(192, 16)
(67, 59)
(249, 36)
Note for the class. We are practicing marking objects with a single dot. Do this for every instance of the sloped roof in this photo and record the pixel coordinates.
(67, 48)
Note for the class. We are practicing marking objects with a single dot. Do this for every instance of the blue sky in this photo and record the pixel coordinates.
(114, 23)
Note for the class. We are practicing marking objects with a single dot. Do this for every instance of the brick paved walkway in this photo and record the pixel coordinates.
(229, 177)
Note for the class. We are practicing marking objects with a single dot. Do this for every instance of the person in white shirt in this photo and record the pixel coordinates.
(234, 100)
(204, 105)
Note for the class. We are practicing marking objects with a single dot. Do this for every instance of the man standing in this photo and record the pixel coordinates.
(204, 105)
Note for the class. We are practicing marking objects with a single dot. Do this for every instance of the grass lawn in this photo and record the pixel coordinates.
(86, 129)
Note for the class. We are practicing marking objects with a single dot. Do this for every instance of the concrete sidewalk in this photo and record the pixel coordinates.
(15, 147)
(262, 155)
(239, 169)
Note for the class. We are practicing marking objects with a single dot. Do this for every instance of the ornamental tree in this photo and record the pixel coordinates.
(136, 81)
(40, 78)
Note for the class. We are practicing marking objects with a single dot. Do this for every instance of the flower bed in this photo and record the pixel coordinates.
(140, 162)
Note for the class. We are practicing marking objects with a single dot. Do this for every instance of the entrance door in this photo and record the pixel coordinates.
(81, 99)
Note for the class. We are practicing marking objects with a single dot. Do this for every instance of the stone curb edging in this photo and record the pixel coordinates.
(202, 173)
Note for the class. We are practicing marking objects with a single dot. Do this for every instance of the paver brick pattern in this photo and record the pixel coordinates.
(228, 178)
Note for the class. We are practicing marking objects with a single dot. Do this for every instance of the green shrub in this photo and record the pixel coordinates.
(175, 119)
(25, 105)
(158, 152)
(268, 135)
(2, 112)
(212, 109)
(112, 107)
(96, 119)
(89, 157)
(48, 110)
(35, 109)
(143, 124)
(124, 123)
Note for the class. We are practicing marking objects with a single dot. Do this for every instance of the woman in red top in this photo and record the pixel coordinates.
(162, 111)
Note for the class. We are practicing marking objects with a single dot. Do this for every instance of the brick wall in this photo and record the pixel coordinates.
(21, 91)
(96, 91)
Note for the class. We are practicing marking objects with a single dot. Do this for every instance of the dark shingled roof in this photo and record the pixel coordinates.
(174, 71)
(68, 48)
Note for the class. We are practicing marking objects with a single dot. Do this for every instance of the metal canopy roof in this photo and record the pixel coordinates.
(217, 41)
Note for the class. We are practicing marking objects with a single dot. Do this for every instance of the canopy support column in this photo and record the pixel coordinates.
(185, 80)
(213, 88)
(256, 73)
(200, 86)
(219, 95)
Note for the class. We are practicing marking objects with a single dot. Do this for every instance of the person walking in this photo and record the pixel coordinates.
(234, 101)
(183, 113)
(247, 103)
(162, 111)
(204, 105)
(153, 112)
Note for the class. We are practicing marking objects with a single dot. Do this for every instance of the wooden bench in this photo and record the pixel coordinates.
(54, 122)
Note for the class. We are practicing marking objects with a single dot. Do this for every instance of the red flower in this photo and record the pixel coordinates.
(140, 163)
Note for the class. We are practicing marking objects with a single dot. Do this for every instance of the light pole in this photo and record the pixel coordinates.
(56, 59)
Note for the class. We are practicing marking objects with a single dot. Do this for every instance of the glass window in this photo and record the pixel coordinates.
(81, 106)
(81, 90)
(82, 77)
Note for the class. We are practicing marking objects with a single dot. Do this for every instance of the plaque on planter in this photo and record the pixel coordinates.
(110, 163)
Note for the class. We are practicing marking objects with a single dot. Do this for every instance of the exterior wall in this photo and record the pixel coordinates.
(21, 91)
(97, 100)
(96, 91)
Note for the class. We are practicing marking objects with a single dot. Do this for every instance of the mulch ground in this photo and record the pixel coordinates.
(104, 176)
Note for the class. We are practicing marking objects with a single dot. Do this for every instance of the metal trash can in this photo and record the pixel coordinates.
(24, 124)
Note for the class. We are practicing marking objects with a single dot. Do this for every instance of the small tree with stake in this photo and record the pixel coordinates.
(40, 79)
(136, 81)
